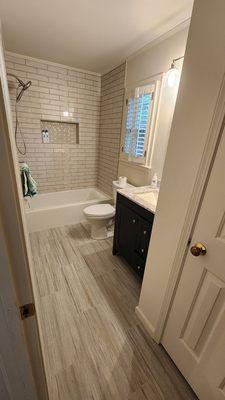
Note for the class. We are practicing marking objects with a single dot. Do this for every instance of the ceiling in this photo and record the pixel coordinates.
(94, 35)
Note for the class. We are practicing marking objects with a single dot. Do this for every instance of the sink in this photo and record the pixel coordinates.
(145, 196)
(150, 197)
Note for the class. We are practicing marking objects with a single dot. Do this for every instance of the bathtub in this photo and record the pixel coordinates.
(50, 210)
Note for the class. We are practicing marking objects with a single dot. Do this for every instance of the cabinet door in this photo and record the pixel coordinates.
(127, 233)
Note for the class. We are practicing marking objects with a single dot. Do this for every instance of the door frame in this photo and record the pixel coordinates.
(17, 252)
(210, 149)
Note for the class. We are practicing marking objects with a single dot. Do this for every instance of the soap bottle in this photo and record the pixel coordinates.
(154, 181)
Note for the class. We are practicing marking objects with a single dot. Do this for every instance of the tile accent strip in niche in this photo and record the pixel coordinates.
(61, 132)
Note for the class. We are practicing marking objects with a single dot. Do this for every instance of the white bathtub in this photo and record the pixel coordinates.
(49, 210)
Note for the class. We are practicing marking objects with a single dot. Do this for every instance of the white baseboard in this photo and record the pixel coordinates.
(147, 325)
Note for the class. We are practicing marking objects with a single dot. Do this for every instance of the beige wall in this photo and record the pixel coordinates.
(112, 95)
(56, 89)
(153, 60)
(201, 80)
(157, 57)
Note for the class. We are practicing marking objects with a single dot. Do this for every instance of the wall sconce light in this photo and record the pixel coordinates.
(173, 74)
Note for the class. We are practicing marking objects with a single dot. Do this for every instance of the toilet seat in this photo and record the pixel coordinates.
(100, 211)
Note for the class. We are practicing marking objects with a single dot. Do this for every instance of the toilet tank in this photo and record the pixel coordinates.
(117, 185)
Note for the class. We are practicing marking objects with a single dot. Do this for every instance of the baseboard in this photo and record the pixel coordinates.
(147, 325)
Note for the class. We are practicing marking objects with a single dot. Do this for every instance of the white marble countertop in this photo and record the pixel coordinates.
(133, 193)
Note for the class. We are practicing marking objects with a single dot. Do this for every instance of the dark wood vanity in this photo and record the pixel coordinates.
(133, 226)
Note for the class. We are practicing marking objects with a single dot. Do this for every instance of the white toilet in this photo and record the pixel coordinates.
(100, 216)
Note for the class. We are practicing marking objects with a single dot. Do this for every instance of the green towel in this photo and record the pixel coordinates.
(29, 185)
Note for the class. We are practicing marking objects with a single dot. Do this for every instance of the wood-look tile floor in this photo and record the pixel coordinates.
(94, 345)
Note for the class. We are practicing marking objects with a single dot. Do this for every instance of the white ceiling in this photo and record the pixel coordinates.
(89, 34)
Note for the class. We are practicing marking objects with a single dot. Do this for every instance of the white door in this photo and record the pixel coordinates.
(195, 332)
(22, 375)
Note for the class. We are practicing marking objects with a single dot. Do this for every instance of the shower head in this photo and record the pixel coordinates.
(24, 86)
(27, 85)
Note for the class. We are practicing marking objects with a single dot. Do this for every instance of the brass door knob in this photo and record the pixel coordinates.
(198, 250)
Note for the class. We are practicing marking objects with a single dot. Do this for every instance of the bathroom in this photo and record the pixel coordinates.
(77, 168)
(71, 132)
(89, 138)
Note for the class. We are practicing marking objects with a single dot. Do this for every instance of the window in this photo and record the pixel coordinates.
(138, 123)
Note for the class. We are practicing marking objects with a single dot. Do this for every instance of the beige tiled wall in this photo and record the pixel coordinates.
(112, 97)
(56, 89)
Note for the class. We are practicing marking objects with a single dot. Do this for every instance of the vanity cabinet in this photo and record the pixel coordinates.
(133, 226)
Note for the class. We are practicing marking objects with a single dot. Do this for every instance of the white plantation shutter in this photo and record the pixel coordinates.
(139, 106)
(129, 125)
(143, 111)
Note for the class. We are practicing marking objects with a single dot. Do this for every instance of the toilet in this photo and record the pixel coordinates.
(100, 216)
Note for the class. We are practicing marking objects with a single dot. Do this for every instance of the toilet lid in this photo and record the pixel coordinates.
(100, 210)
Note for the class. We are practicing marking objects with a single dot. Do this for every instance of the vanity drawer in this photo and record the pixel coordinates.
(143, 237)
(139, 264)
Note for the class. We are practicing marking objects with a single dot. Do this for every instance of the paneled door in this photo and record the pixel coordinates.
(195, 332)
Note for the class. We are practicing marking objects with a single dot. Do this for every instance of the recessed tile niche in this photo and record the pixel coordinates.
(61, 132)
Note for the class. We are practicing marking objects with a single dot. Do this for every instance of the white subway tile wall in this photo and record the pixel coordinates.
(112, 98)
(54, 90)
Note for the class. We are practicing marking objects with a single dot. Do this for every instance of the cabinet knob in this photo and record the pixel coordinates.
(138, 267)
(134, 220)
(144, 232)
(142, 250)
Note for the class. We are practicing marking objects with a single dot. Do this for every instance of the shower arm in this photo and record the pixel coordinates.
(18, 79)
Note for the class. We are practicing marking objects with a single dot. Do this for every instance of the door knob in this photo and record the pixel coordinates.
(198, 250)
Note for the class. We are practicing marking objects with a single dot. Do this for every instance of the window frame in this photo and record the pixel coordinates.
(145, 160)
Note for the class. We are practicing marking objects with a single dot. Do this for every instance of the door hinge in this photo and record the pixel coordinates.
(27, 310)
(126, 102)
(122, 148)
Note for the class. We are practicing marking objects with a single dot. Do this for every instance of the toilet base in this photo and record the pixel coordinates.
(100, 230)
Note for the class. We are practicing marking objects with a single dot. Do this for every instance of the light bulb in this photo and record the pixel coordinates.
(173, 77)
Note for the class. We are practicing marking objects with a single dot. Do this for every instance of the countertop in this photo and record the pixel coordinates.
(132, 194)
